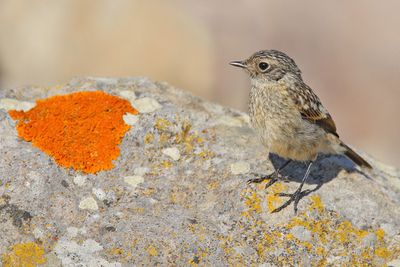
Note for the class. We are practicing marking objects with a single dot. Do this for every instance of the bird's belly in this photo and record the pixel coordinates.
(285, 136)
(295, 149)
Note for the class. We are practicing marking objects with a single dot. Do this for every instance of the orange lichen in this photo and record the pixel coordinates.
(79, 130)
(24, 254)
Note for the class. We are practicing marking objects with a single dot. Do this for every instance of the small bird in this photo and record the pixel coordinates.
(289, 118)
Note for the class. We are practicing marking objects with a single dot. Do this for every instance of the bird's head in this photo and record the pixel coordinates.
(269, 65)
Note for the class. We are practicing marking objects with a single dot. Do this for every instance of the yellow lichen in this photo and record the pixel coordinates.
(380, 234)
(184, 136)
(316, 203)
(198, 257)
(173, 197)
(162, 124)
(148, 191)
(152, 251)
(116, 251)
(382, 252)
(139, 210)
(2, 201)
(289, 236)
(164, 138)
(25, 255)
(331, 237)
(148, 138)
(273, 199)
(199, 230)
(253, 202)
(166, 164)
(206, 154)
(320, 251)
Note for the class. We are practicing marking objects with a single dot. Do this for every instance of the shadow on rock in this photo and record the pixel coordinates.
(324, 169)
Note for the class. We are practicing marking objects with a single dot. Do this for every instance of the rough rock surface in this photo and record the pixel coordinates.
(178, 194)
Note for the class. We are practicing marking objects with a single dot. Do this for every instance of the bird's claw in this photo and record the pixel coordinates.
(272, 179)
(256, 180)
(293, 197)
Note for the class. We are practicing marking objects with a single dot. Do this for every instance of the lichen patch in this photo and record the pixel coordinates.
(80, 130)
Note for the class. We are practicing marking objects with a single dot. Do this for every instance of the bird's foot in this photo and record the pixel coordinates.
(293, 197)
(273, 177)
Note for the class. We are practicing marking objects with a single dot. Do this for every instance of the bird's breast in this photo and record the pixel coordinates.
(271, 111)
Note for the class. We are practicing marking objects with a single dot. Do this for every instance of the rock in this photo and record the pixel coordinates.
(80, 180)
(99, 193)
(394, 263)
(301, 233)
(88, 203)
(72, 254)
(38, 233)
(134, 180)
(128, 94)
(146, 105)
(9, 104)
(141, 171)
(130, 119)
(195, 210)
(172, 152)
(240, 168)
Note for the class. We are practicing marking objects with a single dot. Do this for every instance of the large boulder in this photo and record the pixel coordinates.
(178, 193)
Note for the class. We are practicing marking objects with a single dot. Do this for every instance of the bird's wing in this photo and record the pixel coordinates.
(311, 108)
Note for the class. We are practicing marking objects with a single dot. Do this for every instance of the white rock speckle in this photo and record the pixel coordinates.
(172, 152)
(230, 121)
(9, 104)
(72, 254)
(146, 105)
(99, 193)
(369, 240)
(141, 171)
(130, 119)
(72, 231)
(119, 214)
(80, 180)
(38, 233)
(301, 233)
(130, 95)
(91, 246)
(133, 180)
(240, 167)
(88, 203)
(389, 229)
(394, 263)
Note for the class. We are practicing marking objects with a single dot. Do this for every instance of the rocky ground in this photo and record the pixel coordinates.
(178, 194)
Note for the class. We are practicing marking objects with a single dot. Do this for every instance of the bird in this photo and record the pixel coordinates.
(289, 118)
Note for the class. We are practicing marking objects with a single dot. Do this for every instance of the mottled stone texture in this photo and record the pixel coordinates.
(178, 194)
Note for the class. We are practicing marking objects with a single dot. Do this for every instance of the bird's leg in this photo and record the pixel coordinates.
(295, 197)
(273, 176)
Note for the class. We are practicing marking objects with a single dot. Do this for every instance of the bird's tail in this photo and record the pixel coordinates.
(357, 159)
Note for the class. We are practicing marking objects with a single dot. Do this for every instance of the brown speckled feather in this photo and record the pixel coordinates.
(311, 108)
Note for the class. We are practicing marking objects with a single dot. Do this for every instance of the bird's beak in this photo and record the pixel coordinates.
(240, 64)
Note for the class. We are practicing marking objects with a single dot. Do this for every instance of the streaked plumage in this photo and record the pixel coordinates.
(287, 115)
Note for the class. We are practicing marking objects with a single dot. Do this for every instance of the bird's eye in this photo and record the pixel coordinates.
(263, 66)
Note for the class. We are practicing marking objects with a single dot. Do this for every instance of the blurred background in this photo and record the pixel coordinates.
(349, 51)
